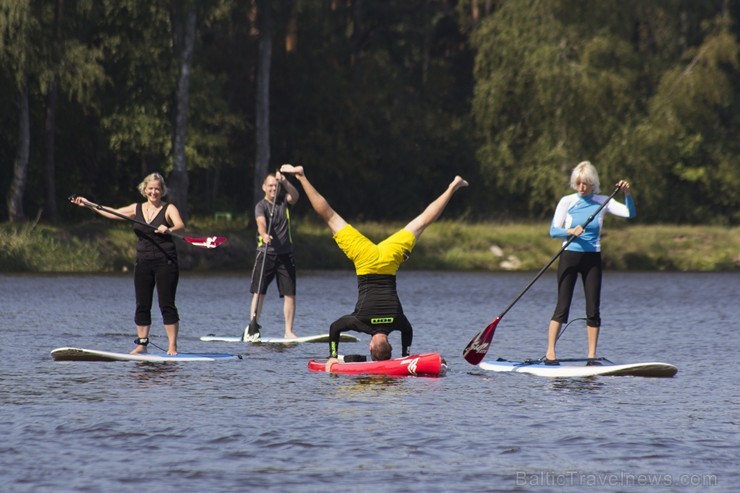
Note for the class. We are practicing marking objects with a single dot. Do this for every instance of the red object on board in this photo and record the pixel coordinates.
(416, 365)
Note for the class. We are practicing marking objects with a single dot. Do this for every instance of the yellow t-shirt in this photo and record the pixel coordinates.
(384, 258)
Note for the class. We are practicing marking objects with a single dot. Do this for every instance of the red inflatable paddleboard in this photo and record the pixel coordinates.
(416, 365)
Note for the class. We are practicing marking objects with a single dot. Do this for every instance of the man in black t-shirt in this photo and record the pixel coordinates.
(274, 252)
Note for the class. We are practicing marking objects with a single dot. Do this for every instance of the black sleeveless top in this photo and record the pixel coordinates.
(151, 245)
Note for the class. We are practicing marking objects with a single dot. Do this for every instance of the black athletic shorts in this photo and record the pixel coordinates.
(280, 266)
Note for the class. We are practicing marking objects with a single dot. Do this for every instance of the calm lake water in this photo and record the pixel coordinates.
(264, 423)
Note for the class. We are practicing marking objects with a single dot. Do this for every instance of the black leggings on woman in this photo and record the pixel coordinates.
(588, 264)
(164, 274)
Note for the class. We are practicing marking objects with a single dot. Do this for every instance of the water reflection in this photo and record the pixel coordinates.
(274, 348)
(584, 385)
(371, 380)
(154, 372)
(372, 387)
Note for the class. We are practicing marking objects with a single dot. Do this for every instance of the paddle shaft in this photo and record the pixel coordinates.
(123, 216)
(570, 240)
(264, 257)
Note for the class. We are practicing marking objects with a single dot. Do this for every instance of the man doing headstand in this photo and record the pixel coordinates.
(378, 310)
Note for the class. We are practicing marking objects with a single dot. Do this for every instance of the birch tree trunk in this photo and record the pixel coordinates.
(178, 182)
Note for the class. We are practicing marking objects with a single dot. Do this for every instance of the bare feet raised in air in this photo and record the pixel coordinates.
(290, 169)
(458, 183)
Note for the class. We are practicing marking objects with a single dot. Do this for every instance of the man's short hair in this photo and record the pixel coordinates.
(381, 351)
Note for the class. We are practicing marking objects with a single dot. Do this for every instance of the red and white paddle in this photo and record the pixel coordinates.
(200, 242)
(204, 242)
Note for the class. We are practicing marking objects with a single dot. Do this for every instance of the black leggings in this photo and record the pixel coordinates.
(164, 274)
(588, 264)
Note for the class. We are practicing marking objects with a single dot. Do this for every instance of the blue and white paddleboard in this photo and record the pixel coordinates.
(280, 340)
(578, 368)
(80, 354)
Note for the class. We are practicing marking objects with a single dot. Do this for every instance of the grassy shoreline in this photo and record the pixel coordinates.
(100, 246)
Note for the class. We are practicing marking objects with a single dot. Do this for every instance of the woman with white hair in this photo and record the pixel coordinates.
(583, 255)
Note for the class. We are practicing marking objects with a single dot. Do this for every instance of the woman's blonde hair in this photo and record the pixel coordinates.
(152, 177)
(585, 172)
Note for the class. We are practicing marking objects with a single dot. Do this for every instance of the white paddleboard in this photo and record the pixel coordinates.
(578, 368)
(281, 340)
(80, 354)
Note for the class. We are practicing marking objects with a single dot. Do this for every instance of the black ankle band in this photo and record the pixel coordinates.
(142, 341)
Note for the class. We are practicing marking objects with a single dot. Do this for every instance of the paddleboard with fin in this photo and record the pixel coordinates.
(82, 354)
(280, 340)
(581, 367)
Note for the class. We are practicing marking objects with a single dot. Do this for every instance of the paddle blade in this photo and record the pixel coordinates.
(477, 348)
(252, 331)
(208, 242)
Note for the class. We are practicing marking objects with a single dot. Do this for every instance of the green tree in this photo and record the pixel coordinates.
(685, 148)
(220, 152)
(170, 106)
(375, 103)
(558, 82)
(137, 105)
(70, 69)
(17, 27)
(547, 96)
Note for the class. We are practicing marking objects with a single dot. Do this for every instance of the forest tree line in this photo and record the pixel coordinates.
(383, 102)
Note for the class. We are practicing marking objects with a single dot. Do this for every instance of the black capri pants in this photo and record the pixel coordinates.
(164, 274)
(588, 265)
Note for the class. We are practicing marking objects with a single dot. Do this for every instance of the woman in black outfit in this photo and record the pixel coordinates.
(156, 258)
